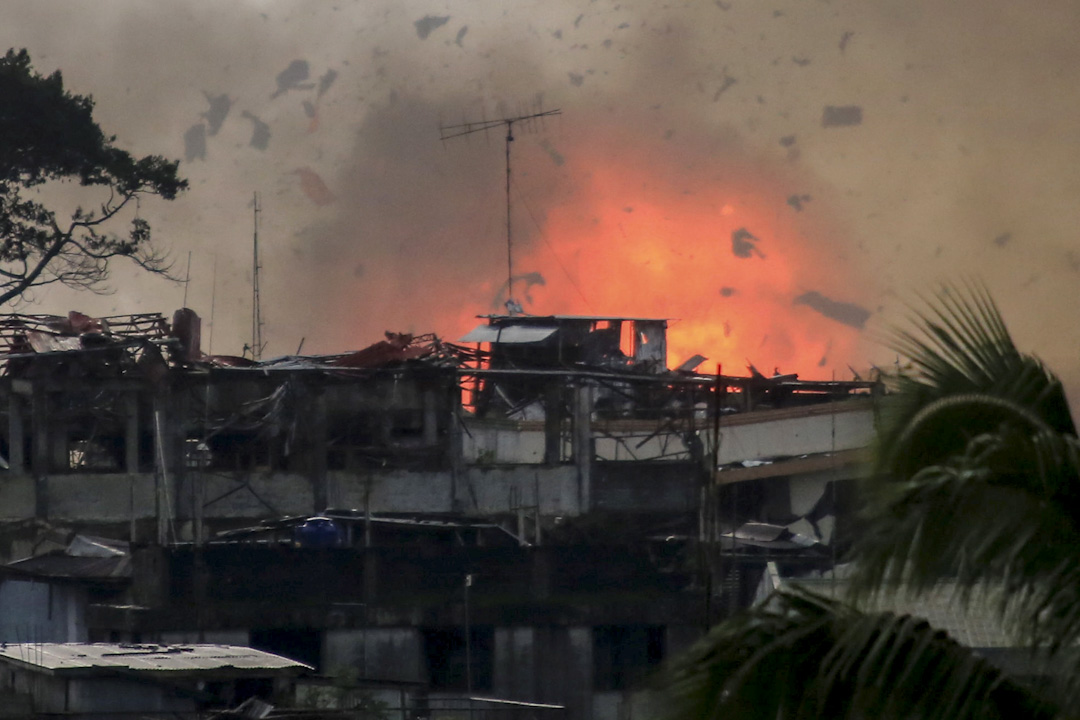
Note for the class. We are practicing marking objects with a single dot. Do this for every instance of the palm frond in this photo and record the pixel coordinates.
(802, 656)
(1003, 516)
(960, 348)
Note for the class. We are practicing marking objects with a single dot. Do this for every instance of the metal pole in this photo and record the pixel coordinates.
(509, 240)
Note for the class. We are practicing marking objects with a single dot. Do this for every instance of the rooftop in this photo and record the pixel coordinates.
(177, 660)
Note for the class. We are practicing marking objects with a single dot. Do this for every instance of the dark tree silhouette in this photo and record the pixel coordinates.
(48, 136)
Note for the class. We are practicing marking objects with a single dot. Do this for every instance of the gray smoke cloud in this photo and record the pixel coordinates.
(964, 134)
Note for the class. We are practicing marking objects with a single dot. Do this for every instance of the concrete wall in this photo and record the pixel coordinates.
(41, 612)
(846, 428)
(388, 654)
(17, 496)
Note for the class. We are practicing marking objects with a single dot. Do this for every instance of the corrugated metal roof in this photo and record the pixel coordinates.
(107, 658)
(508, 334)
(62, 565)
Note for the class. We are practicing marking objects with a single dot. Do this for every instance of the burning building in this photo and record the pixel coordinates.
(542, 511)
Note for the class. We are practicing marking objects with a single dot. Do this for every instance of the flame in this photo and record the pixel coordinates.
(648, 239)
(631, 230)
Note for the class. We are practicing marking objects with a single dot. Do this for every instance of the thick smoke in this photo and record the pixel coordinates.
(913, 136)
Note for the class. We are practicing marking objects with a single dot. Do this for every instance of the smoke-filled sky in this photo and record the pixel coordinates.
(778, 177)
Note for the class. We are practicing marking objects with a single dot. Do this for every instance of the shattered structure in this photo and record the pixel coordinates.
(540, 512)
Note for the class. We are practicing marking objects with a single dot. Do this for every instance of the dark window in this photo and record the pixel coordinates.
(450, 666)
(624, 655)
(301, 644)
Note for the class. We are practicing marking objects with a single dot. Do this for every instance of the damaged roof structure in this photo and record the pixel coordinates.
(342, 509)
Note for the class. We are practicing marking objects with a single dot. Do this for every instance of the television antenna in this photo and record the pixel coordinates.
(447, 132)
(256, 300)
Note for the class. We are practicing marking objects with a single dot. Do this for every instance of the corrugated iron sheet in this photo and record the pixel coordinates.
(508, 334)
(104, 658)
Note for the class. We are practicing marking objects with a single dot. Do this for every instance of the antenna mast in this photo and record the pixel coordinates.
(452, 131)
(256, 306)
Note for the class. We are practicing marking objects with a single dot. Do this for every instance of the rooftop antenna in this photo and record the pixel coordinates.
(256, 307)
(446, 132)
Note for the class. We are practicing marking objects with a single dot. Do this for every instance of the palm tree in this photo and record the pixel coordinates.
(977, 483)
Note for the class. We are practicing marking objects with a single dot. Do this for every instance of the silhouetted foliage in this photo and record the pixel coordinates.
(977, 485)
(48, 135)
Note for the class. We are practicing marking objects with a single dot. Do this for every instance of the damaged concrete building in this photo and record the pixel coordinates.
(541, 512)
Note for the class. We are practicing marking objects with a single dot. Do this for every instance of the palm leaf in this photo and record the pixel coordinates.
(801, 656)
(966, 378)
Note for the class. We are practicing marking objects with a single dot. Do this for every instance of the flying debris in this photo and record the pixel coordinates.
(787, 141)
(843, 312)
(797, 201)
(260, 131)
(725, 82)
(428, 23)
(848, 34)
(742, 244)
(529, 279)
(195, 143)
(461, 35)
(841, 115)
(314, 187)
(1003, 239)
(575, 79)
(555, 155)
(727, 291)
(219, 110)
(309, 108)
(293, 77)
(325, 81)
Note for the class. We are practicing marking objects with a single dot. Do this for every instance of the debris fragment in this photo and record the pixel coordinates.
(555, 155)
(325, 81)
(260, 131)
(848, 34)
(219, 110)
(1003, 239)
(725, 82)
(800, 61)
(742, 244)
(727, 291)
(529, 280)
(461, 35)
(428, 23)
(787, 141)
(841, 115)
(293, 77)
(578, 19)
(844, 312)
(309, 108)
(195, 143)
(797, 201)
(314, 187)
(576, 79)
